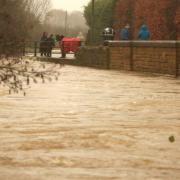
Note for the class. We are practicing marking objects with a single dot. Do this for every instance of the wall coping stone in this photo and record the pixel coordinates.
(156, 44)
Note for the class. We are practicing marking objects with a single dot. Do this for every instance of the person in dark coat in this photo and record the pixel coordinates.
(124, 34)
(63, 53)
(50, 45)
(108, 34)
(144, 33)
(58, 37)
(43, 45)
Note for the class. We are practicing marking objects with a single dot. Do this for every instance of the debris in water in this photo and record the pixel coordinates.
(172, 139)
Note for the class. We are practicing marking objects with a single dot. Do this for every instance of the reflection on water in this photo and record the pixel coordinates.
(92, 124)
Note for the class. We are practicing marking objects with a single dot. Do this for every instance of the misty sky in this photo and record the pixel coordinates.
(69, 5)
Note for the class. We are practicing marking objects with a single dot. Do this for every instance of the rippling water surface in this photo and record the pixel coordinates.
(92, 124)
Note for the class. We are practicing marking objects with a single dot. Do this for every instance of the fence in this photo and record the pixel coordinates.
(12, 48)
(32, 48)
(27, 48)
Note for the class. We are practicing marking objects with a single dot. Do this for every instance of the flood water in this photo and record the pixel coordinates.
(92, 125)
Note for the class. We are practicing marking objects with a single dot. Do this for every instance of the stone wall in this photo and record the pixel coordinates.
(150, 56)
(97, 57)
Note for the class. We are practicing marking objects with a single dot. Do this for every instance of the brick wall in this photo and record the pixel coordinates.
(149, 56)
(146, 56)
(160, 60)
(161, 16)
(119, 57)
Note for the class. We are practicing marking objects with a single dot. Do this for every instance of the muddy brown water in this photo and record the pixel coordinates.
(92, 125)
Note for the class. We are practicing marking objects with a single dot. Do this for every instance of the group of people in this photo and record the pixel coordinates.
(143, 34)
(48, 42)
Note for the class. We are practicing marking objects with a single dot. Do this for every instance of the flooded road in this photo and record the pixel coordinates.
(92, 125)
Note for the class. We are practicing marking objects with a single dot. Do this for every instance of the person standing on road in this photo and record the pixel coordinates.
(82, 38)
(144, 33)
(124, 34)
(63, 54)
(108, 34)
(43, 44)
(50, 45)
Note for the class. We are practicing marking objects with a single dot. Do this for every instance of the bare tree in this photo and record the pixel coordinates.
(17, 74)
(56, 20)
(37, 7)
(17, 18)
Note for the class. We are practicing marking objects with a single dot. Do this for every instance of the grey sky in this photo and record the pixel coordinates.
(69, 5)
